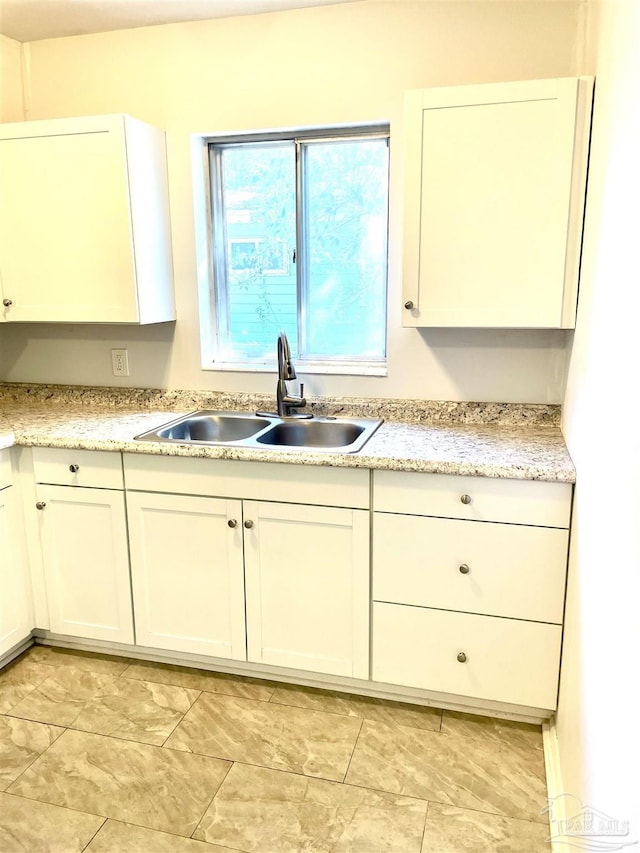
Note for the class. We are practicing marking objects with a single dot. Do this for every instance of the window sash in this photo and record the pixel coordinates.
(302, 143)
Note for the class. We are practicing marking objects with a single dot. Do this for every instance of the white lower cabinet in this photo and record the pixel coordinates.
(466, 597)
(307, 583)
(83, 533)
(15, 599)
(83, 536)
(301, 569)
(187, 573)
(468, 585)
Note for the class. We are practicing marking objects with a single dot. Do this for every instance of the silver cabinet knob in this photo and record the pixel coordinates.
(248, 524)
(7, 303)
(464, 569)
(40, 505)
(465, 499)
(74, 468)
(232, 522)
(461, 658)
(408, 304)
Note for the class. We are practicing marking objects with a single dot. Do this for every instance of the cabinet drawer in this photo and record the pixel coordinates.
(496, 569)
(6, 476)
(507, 660)
(64, 467)
(301, 484)
(485, 499)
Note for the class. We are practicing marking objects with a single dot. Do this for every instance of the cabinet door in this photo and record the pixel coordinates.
(494, 197)
(307, 584)
(15, 605)
(86, 562)
(187, 573)
(66, 252)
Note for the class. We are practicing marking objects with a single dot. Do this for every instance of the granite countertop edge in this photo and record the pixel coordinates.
(519, 445)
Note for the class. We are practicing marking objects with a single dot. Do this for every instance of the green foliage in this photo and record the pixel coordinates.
(343, 213)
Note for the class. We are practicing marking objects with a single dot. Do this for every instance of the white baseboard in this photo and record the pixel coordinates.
(380, 690)
(555, 788)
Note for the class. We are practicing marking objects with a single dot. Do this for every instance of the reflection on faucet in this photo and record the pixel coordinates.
(287, 402)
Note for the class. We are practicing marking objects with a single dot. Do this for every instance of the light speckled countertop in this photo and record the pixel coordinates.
(484, 439)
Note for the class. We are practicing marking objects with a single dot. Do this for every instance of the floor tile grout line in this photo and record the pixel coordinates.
(363, 717)
(211, 800)
(317, 778)
(201, 690)
(179, 722)
(429, 799)
(220, 695)
(105, 818)
(355, 744)
(424, 829)
(49, 803)
(257, 766)
(97, 696)
(142, 743)
(37, 757)
(485, 811)
(35, 686)
(95, 833)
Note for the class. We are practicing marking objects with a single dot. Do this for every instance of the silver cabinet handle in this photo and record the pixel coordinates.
(74, 468)
(461, 658)
(464, 569)
(7, 303)
(248, 524)
(40, 505)
(408, 304)
(232, 522)
(465, 499)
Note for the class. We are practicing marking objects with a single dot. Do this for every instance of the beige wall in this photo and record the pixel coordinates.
(327, 65)
(598, 710)
(11, 104)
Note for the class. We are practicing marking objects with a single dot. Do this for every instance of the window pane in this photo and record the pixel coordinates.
(345, 224)
(258, 229)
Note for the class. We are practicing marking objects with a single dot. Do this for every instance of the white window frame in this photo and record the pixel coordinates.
(204, 188)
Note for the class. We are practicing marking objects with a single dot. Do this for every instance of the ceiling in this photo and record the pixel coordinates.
(32, 20)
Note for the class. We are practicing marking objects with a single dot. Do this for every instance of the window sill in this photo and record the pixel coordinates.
(304, 367)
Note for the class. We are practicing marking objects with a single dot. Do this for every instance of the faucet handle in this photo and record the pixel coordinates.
(302, 389)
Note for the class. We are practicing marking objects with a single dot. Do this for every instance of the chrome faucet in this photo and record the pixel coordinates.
(286, 371)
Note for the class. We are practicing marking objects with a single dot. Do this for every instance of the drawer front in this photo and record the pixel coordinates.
(507, 660)
(6, 476)
(306, 484)
(473, 498)
(496, 569)
(63, 467)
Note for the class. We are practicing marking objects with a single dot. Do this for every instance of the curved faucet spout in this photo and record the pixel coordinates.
(286, 369)
(286, 402)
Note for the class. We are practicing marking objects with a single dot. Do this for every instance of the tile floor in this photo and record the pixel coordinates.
(107, 755)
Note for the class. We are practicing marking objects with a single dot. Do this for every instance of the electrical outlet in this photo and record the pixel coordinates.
(120, 362)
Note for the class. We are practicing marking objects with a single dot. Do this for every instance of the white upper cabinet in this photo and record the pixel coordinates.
(84, 222)
(495, 180)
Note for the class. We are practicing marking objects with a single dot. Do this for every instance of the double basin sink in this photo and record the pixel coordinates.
(258, 432)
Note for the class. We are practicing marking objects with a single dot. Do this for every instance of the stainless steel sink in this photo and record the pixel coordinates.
(245, 429)
(218, 427)
(316, 434)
